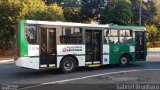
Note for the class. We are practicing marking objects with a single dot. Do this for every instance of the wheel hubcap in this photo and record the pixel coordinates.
(68, 65)
(124, 60)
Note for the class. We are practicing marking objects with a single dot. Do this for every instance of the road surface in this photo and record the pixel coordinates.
(14, 77)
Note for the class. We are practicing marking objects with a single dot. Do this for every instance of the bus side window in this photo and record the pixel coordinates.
(70, 35)
(113, 37)
(125, 36)
(31, 34)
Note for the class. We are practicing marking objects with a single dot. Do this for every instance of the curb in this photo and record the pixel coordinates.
(153, 48)
(6, 61)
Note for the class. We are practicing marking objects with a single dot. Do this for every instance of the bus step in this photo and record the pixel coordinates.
(94, 65)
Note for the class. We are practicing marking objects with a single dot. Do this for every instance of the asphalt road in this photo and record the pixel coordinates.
(13, 77)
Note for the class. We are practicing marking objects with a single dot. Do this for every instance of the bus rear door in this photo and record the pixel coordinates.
(140, 45)
(93, 46)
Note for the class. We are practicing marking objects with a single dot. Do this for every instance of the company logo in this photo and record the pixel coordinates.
(72, 49)
(64, 49)
(116, 48)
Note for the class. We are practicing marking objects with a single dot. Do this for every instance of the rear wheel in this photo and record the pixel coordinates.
(124, 60)
(68, 64)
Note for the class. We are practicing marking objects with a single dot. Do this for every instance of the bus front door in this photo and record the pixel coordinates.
(140, 45)
(93, 46)
(47, 47)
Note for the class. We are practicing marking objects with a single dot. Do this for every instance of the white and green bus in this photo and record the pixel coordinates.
(66, 45)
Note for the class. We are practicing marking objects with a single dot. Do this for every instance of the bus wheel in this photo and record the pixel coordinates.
(68, 64)
(124, 60)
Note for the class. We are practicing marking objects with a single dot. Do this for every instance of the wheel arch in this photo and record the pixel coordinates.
(73, 56)
(124, 53)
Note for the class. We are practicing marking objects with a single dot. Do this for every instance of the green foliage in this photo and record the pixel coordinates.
(9, 14)
(54, 8)
(52, 13)
(151, 12)
(72, 14)
(14, 10)
(153, 36)
(31, 6)
(6, 36)
(65, 3)
(91, 10)
(56, 11)
(119, 12)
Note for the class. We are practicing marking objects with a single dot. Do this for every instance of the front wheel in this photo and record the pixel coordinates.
(124, 60)
(68, 64)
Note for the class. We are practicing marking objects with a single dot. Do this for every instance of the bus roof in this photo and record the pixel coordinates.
(128, 27)
(71, 24)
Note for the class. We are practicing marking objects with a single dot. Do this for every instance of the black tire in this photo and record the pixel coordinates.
(67, 65)
(124, 60)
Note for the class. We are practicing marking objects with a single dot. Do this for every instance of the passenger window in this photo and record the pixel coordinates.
(113, 32)
(126, 36)
(110, 36)
(31, 34)
(70, 35)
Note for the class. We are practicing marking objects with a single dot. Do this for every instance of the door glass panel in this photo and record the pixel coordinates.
(43, 51)
(52, 41)
(96, 44)
(89, 46)
(140, 45)
(93, 46)
(43, 41)
(48, 46)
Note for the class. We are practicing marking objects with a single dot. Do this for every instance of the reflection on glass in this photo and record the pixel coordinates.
(31, 34)
(70, 35)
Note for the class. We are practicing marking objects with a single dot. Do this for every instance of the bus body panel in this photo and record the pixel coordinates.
(32, 58)
(76, 50)
(28, 62)
(116, 50)
(106, 52)
(33, 50)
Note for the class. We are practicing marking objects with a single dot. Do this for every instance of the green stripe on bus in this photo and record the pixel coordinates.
(23, 42)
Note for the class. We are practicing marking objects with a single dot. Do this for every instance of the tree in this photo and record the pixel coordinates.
(9, 14)
(31, 6)
(72, 14)
(153, 36)
(91, 10)
(150, 12)
(120, 12)
(71, 9)
(52, 13)
(135, 11)
(14, 10)
(65, 3)
(56, 11)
